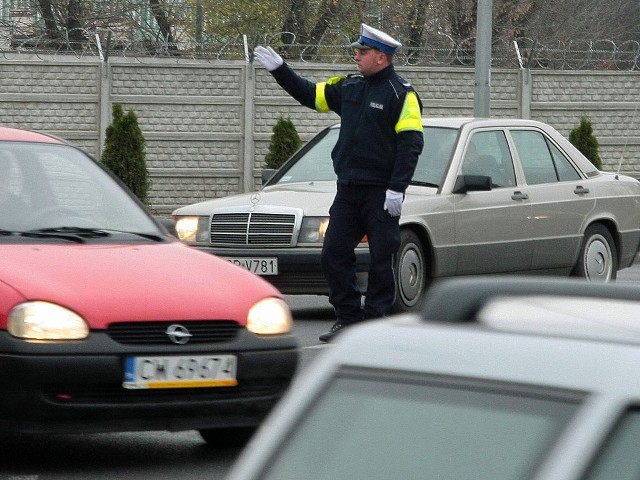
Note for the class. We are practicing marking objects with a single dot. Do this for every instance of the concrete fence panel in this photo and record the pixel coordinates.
(208, 124)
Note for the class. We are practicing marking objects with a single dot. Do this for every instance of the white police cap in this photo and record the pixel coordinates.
(373, 38)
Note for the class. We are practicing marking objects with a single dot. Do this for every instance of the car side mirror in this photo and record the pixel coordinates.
(267, 174)
(472, 183)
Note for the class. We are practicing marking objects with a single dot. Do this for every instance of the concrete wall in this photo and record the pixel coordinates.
(208, 124)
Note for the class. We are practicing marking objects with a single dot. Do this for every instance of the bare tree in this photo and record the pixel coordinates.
(294, 27)
(63, 22)
(162, 19)
(48, 12)
(314, 24)
(74, 24)
(328, 12)
(578, 20)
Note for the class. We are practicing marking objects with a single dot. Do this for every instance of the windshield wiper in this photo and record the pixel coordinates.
(424, 184)
(149, 236)
(74, 234)
(80, 234)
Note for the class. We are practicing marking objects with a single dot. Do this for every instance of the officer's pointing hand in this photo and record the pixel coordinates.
(393, 203)
(267, 57)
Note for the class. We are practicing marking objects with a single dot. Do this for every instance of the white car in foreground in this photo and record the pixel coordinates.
(501, 378)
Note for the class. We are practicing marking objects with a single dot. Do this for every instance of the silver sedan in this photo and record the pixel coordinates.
(488, 196)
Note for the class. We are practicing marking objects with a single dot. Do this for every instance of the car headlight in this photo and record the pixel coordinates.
(313, 230)
(192, 229)
(46, 321)
(270, 316)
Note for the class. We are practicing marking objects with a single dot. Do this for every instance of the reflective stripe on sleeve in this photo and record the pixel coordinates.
(410, 117)
(321, 100)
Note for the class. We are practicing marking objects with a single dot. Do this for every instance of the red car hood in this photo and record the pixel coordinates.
(109, 283)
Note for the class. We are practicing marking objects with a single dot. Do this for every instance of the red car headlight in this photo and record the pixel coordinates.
(270, 316)
(46, 321)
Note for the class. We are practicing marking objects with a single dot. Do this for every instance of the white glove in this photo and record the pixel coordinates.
(267, 57)
(393, 203)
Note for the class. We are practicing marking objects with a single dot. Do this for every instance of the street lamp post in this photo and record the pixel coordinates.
(484, 27)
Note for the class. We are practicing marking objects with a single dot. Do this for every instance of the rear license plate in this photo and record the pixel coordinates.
(180, 371)
(260, 265)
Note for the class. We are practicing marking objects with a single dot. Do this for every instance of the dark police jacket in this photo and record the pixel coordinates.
(381, 129)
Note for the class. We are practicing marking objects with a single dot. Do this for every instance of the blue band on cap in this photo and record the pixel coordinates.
(379, 45)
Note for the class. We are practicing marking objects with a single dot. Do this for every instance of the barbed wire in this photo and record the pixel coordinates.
(436, 50)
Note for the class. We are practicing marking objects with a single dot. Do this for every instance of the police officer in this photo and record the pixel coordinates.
(374, 159)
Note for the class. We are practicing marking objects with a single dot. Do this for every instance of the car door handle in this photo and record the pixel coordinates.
(580, 190)
(518, 195)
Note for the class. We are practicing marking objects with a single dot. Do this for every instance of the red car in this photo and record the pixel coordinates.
(109, 323)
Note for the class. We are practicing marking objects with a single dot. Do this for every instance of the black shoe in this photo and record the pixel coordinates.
(333, 331)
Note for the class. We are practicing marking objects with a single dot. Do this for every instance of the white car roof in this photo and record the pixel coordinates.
(585, 336)
(406, 344)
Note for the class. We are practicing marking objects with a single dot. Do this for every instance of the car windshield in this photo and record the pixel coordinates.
(390, 427)
(47, 186)
(315, 163)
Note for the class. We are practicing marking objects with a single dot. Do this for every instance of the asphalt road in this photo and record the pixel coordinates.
(157, 455)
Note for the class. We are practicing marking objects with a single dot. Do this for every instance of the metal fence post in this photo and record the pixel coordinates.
(248, 126)
(525, 92)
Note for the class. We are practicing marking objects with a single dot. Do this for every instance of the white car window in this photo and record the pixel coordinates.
(566, 171)
(436, 154)
(385, 427)
(535, 157)
(315, 164)
(487, 153)
(619, 459)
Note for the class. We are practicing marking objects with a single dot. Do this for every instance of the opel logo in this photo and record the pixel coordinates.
(178, 334)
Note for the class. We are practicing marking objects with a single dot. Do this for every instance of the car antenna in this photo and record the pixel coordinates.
(624, 147)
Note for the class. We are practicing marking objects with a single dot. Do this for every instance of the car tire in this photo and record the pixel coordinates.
(598, 258)
(227, 437)
(411, 273)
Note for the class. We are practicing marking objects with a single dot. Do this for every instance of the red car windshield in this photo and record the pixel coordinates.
(56, 186)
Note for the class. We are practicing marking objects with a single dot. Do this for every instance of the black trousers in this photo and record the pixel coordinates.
(358, 210)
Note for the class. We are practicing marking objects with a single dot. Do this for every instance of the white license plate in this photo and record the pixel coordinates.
(180, 371)
(260, 265)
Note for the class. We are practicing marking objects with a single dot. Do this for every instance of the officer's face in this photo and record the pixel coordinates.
(371, 61)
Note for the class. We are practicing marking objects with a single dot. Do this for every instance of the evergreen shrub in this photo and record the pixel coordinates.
(124, 152)
(583, 139)
(284, 143)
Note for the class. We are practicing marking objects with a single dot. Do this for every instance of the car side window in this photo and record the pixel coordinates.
(535, 157)
(487, 153)
(566, 171)
(542, 162)
(619, 459)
